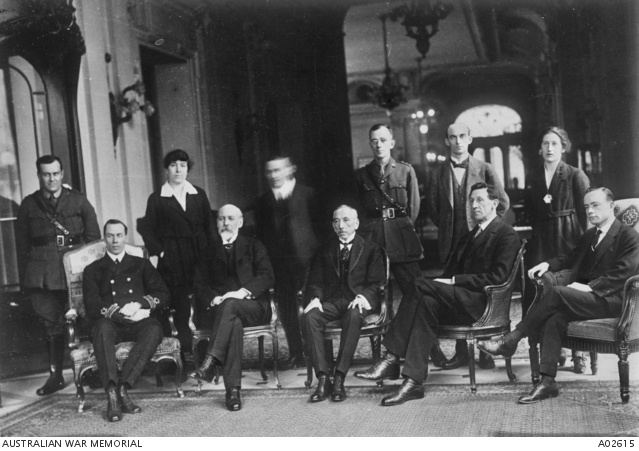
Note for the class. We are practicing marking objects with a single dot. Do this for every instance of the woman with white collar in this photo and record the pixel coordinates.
(177, 228)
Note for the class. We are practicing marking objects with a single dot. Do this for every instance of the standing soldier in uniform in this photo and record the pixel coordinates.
(389, 202)
(51, 221)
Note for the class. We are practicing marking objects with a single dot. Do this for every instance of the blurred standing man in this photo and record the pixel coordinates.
(51, 221)
(388, 196)
(447, 194)
(287, 216)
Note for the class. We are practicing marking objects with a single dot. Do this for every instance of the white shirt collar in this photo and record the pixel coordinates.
(284, 191)
(348, 240)
(118, 257)
(485, 224)
(168, 191)
(605, 229)
(459, 161)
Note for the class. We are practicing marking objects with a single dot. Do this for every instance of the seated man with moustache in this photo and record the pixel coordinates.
(484, 256)
(232, 283)
(343, 284)
(120, 292)
(604, 258)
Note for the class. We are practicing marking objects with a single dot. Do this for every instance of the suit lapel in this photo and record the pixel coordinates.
(356, 252)
(108, 265)
(63, 200)
(175, 205)
(483, 237)
(241, 247)
(333, 255)
(447, 181)
(607, 241)
(390, 168)
(473, 175)
(557, 177)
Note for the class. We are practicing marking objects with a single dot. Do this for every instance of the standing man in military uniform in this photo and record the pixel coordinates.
(388, 195)
(51, 221)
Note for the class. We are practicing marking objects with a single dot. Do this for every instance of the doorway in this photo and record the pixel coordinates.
(170, 87)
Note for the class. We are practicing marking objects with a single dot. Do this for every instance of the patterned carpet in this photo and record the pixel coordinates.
(582, 409)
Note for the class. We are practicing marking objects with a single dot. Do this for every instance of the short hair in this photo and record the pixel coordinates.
(458, 123)
(377, 127)
(113, 222)
(563, 136)
(493, 194)
(609, 196)
(280, 158)
(48, 159)
(347, 206)
(177, 155)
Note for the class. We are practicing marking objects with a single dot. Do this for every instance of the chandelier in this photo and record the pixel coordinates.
(391, 92)
(421, 20)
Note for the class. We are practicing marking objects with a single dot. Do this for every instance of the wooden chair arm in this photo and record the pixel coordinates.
(271, 298)
(169, 314)
(548, 280)
(630, 300)
(70, 322)
(192, 302)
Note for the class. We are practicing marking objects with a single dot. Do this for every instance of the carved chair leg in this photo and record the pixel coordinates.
(533, 353)
(158, 378)
(196, 354)
(309, 372)
(624, 372)
(77, 378)
(178, 374)
(594, 363)
(260, 345)
(509, 370)
(276, 352)
(471, 341)
(216, 371)
(198, 389)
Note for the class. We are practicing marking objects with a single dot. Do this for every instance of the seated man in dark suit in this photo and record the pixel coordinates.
(603, 259)
(484, 256)
(343, 284)
(232, 283)
(120, 292)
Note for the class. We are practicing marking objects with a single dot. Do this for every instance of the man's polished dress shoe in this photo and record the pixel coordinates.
(539, 393)
(52, 385)
(127, 405)
(206, 371)
(437, 356)
(386, 368)
(407, 391)
(295, 361)
(486, 362)
(114, 413)
(233, 399)
(579, 362)
(457, 361)
(339, 393)
(497, 347)
(323, 388)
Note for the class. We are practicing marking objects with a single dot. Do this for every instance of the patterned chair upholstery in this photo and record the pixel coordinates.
(374, 326)
(200, 333)
(618, 336)
(82, 354)
(494, 322)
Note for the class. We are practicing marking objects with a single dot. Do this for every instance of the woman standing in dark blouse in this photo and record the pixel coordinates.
(178, 229)
(554, 203)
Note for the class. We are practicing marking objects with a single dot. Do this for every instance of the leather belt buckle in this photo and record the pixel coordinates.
(59, 240)
(388, 213)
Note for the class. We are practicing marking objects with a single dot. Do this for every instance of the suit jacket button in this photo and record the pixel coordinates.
(113, 293)
(113, 281)
(130, 291)
(128, 279)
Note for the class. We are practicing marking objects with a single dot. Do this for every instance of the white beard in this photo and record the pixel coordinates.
(226, 235)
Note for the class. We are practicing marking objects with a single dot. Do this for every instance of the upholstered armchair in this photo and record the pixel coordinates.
(494, 322)
(82, 354)
(618, 336)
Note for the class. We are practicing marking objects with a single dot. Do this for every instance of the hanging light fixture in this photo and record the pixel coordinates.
(391, 92)
(421, 20)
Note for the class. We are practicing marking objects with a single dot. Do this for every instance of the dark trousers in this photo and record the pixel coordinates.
(405, 273)
(547, 322)
(314, 322)
(288, 279)
(414, 329)
(227, 335)
(50, 305)
(147, 335)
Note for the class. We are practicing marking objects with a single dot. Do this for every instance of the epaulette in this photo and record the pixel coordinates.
(403, 162)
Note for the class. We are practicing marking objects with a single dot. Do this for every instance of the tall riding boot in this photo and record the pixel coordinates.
(56, 360)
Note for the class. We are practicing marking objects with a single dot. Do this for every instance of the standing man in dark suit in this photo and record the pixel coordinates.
(343, 284)
(287, 218)
(388, 201)
(120, 293)
(485, 256)
(51, 221)
(232, 284)
(603, 259)
(448, 190)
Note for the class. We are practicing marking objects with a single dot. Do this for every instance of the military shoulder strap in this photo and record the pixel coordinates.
(52, 219)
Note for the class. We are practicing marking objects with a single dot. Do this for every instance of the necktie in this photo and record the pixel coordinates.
(463, 164)
(53, 201)
(117, 261)
(227, 247)
(344, 253)
(381, 171)
(595, 240)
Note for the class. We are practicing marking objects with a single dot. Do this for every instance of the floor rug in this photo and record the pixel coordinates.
(582, 409)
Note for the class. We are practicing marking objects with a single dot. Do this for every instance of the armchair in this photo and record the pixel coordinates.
(82, 354)
(494, 322)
